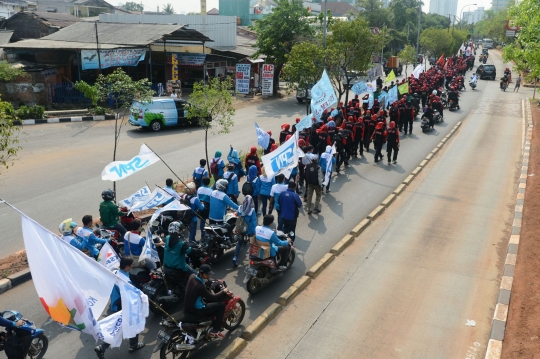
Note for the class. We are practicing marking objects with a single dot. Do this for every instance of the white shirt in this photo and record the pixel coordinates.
(277, 189)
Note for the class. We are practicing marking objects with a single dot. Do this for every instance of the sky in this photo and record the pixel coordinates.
(186, 6)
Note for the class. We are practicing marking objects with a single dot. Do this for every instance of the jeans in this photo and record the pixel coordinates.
(310, 189)
(264, 203)
(256, 204)
(289, 225)
(240, 243)
(192, 230)
(132, 343)
(279, 221)
(216, 311)
(121, 230)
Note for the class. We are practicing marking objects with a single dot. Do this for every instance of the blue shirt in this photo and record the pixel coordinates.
(90, 240)
(251, 220)
(289, 201)
(266, 185)
(256, 183)
(220, 165)
(195, 206)
(204, 194)
(219, 202)
(266, 234)
(322, 163)
(116, 298)
(199, 173)
(77, 242)
(232, 188)
(133, 244)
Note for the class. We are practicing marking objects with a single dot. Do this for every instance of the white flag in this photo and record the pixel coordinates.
(417, 71)
(285, 157)
(174, 205)
(119, 170)
(329, 159)
(149, 251)
(157, 197)
(111, 329)
(134, 309)
(108, 257)
(138, 196)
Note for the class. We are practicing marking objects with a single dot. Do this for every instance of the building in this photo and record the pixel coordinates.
(213, 11)
(5, 38)
(36, 24)
(338, 9)
(10, 8)
(443, 7)
(79, 8)
(472, 17)
(497, 5)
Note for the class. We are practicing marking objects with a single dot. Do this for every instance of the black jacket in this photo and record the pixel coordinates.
(195, 289)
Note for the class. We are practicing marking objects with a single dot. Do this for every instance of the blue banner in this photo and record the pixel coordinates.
(305, 123)
(111, 58)
(263, 138)
(360, 88)
(285, 157)
(322, 96)
(392, 95)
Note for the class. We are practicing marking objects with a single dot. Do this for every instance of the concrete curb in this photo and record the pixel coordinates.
(262, 321)
(65, 119)
(14, 280)
(500, 316)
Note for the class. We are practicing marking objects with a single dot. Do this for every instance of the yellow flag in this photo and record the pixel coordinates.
(390, 76)
(403, 88)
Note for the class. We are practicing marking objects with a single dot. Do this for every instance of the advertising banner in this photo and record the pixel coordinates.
(242, 78)
(111, 58)
(268, 80)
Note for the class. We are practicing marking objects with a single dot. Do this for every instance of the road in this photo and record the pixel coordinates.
(58, 176)
(431, 263)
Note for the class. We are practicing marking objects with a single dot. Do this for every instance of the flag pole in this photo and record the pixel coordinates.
(165, 163)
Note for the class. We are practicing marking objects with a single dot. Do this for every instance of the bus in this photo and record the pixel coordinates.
(487, 43)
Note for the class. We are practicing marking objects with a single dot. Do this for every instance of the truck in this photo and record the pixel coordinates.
(393, 63)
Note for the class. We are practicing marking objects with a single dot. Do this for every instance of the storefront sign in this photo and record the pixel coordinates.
(111, 58)
(267, 80)
(242, 78)
(185, 59)
(174, 60)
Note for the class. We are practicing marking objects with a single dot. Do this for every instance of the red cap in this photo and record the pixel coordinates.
(297, 119)
(392, 124)
(253, 150)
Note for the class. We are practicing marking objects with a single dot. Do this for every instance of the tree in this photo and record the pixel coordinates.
(9, 140)
(373, 12)
(8, 72)
(437, 42)
(407, 56)
(279, 31)
(168, 9)
(133, 6)
(211, 105)
(435, 21)
(492, 25)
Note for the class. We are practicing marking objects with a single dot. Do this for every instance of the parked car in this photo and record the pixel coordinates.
(486, 71)
(161, 112)
(301, 94)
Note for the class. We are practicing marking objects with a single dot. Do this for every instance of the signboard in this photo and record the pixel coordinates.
(267, 80)
(242, 78)
(186, 59)
(49, 72)
(510, 33)
(111, 58)
(174, 60)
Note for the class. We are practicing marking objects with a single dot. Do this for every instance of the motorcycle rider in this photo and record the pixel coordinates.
(474, 79)
(134, 245)
(175, 251)
(109, 213)
(504, 82)
(203, 193)
(88, 237)
(67, 228)
(16, 346)
(194, 304)
(453, 95)
(190, 199)
(219, 202)
(265, 234)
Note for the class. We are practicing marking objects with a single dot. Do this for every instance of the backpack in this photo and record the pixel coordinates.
(247, 188)
(214, 167)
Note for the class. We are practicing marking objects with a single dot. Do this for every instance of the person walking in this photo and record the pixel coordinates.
(392, 142)
(217, 165)
(314, 180)
(199, 173)
(518, 83)
(275, 192)
(266, 187)
(290, 203)
(232, 189)
(252, 159)
(378, 138)
(252, 186)
(248, 212)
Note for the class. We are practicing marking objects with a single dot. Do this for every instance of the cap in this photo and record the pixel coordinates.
(206, 269)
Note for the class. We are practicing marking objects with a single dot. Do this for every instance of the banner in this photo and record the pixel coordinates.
(359, 88)
(111, 329)
(392, 95)
(329, 159)
(157, 197)
(242, 78)
(111, 58)
(306, 122)
(149, 251)
(263, 138)
(119, 170)
(188, 59)
(390, 76)
(173, 206)
(285, 157)
(137, 196)
(108, 257)
(383, 99)
(417, 71)
(268, 80)
(403, 88)
(322, 96)
(174, 67)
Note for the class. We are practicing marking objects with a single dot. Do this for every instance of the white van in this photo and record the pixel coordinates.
(487, 43)
(161, 112)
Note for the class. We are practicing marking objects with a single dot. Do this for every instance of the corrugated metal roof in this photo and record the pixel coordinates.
(52, 18)
(59, 45)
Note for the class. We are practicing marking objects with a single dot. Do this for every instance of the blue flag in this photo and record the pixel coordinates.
(360, 88)
(392, 95)
(371, 100)
(305, 123)
(263, 138)
(322, 95)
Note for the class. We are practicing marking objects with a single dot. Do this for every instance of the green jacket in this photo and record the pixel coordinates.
(109, 213)
(175, 257)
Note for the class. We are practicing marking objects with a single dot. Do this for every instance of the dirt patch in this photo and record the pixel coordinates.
(13, 264)
(522, 337)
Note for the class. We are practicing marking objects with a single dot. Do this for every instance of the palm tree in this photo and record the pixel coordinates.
(168, 9)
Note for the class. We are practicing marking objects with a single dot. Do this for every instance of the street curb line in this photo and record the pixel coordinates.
(64, 119)
(14, 280)
(233, 349)
(5, 285)
(500, 315)
(262, 320)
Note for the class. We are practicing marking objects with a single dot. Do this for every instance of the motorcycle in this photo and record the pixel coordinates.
(453, 106)
(263, 271)
(167, 288)
(461, 86)
(39, 342)
(218, 238)
(190, 332)
(503, 85)
(425, 124)
(444, 99)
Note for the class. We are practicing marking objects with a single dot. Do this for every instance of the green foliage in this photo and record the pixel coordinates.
(30, 113)
(374, 13)
(301, 73)
(407, 56)
(90, 92)
(168, 9)
(279, 31)
(437, 42)
(8, 73)
(525, 51)
(211, 105)
(492, 25)
(9, 137)
(132, 6)
(98, 111)
(435, 21)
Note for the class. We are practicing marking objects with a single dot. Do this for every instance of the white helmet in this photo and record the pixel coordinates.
(176, 227)
(190, 188)
(434, 93)
(67, 226)
(221, 185)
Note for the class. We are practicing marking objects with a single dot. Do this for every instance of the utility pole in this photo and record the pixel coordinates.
(449, 21)
(418, 36)
(97, 48)
(324, 25)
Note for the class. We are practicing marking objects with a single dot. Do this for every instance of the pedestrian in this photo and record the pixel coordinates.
(392, 142)
(249, 213)
(327, 162)
(290, 204)
(126, 263)
(369, 123)
(314, 180)
(232, 189)
(358, 145)
(199, 173)
(234, 158)
(191, 200)
(134, 245)
(306, 160)
(252, 186)
(253, 159)
(217, 166)
(518, 83)
(271, 142)
(284, 133)
(277, 189)
(378, 138)
(204, 193)
(266, 188)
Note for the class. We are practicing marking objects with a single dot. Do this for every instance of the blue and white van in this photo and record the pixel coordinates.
(161, 112)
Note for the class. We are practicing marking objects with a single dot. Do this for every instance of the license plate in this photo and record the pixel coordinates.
(148, 290)
(250, 271)
(164, 337)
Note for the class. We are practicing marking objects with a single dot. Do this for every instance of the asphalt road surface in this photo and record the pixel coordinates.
(58, 176)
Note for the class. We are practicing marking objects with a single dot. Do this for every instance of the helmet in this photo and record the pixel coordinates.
(190, 188)
(221, 185)
(176, 227)
(67, 226)
(107, 195)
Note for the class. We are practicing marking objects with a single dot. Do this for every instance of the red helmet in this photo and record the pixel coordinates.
(350, 118)
(392, 124)
(297, 119)
(285, 126)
